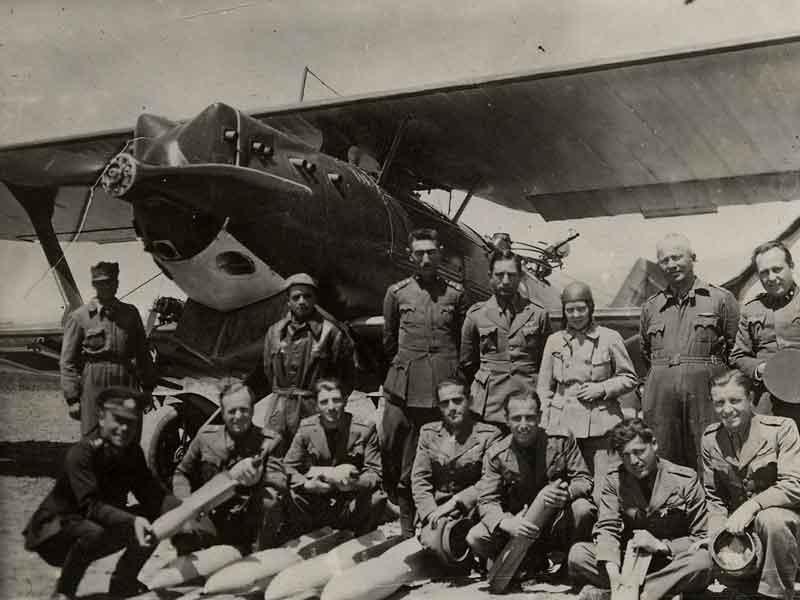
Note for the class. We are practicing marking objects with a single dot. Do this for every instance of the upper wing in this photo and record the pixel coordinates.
(660, 135)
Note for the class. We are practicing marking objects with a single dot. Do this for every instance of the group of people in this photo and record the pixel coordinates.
(489, 416)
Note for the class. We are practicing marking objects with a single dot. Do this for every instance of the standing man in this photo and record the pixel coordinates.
(770, 321)
(422, 322)
(502, 340)
(654, 505)
(298, 350)
(751, 472)
(527, 462)
(254, 513)
(104, 345)
(687, 332)
(334, 467)
(86, 515)
(448, 463)
(584, 371)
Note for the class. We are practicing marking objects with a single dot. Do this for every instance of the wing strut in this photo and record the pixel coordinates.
(398, 137)
(39, 203)
(462, 207)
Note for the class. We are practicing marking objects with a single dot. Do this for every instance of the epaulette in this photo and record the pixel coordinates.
(713, 428)
(211, 428)
(455, 285)
(482, 427)
(758, 298)
(772, 420)
(433, 426)
(682, 471)
(308, 421)
(499, 446)
(654, 296)
(476, 306)
(400, 284)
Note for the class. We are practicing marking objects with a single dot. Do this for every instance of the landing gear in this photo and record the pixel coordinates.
(166, 435)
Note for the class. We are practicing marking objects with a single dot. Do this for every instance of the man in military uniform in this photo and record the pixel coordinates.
(334, 467)
(502, 340)
(751, 472)
(104, 345)
(449, 460)
(422, 322)
(254, 514)
(654, 505)
(770, 321)
(516, 469)
(85, 516)
(687, 331)
(298, 350)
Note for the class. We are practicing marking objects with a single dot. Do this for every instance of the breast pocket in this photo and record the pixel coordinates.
(210, 465)
(706, 332)
(355, 454)
(601, 365)
(655, 335)
(488, 339)
(95, 340)
(447, 316)
(532, 335)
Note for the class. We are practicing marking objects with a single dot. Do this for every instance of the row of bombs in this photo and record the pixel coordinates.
(327, 563)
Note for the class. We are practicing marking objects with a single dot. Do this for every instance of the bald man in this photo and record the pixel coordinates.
(687, 331)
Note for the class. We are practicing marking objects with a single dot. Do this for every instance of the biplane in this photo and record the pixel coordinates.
(228, 203)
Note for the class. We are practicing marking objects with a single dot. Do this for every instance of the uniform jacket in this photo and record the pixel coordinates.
(512, 476)
(444, 468)
(702, 326)
(572, 358)
(767, 468)
(94, 485)
(421, 333)
(112, 336)
(213, 451)
(675, 513)
(499, 355)
(357, 444)
(766, 326)
(295, 358)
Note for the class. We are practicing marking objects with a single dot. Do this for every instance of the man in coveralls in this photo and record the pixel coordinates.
(86, 515)
(254, 514)
(502, 340)
(422, 323)
(687, 331)
(655, 505)
(751, 472)
(770, 321)
(298, 350)
(104, 345)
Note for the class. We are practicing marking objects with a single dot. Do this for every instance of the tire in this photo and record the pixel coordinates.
(172, 430)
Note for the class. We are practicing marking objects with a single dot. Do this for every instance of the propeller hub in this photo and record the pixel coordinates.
(119, 175)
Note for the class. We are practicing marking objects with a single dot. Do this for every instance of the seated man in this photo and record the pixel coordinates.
(334, 466)
(527, 462)
(448, 461)
(86, 516)
(751, 472)
(254, 514)
(655, 505)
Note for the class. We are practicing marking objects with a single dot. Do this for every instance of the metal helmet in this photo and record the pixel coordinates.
(448, 541)
(300, 279)
(739, 555)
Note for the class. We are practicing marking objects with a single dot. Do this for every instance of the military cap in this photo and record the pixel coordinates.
(122, 401)
(105, 271)
(301, 279)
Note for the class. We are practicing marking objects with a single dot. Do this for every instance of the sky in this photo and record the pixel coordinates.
(80, 66)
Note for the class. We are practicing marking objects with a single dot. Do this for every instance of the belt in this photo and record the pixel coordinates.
(506, 366)
(682, 359)
(294, 392)
(108, 359)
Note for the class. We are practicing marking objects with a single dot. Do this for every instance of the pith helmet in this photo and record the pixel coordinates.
(300, 279)
(105, 271)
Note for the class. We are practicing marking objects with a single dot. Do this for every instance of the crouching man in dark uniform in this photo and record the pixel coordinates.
(751, 472)
(334, 468)
(516, 469)
(86, 516)
(448, 463)
(655, 505)
(255, 512)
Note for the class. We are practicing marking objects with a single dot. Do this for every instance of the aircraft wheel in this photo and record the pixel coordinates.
(173, 429)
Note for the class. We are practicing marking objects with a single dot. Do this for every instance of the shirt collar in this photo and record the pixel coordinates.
(314, 323)
(698, 286)
(95, 307)
(590, 332)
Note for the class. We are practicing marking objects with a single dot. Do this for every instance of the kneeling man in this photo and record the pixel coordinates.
(334, 468)
(751, 471)
(449, 459)
(86, 515)
(255, 511)
(527, 462)
(655, 505)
